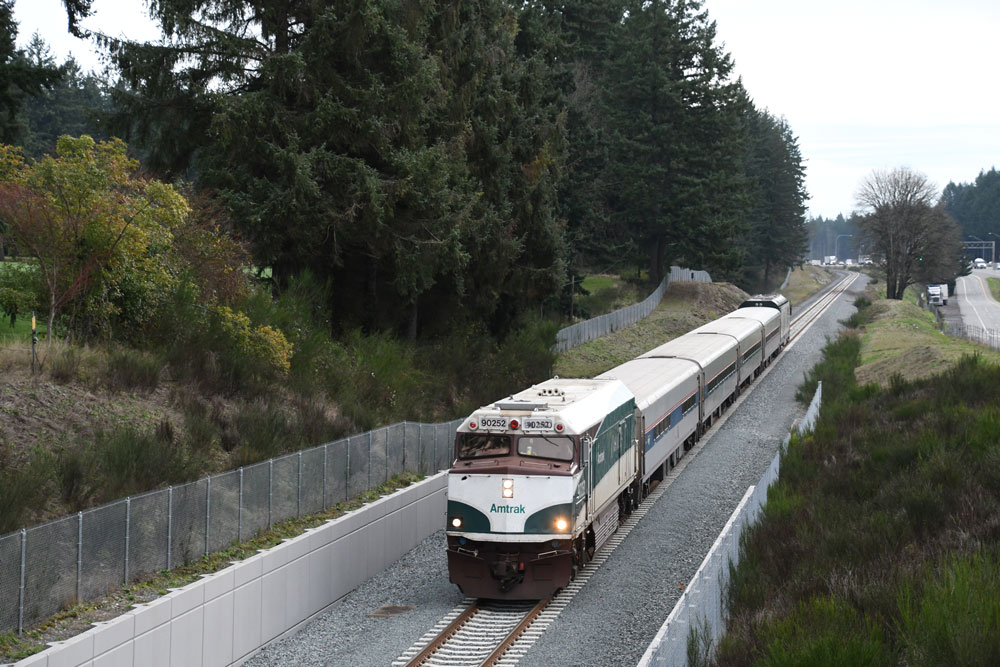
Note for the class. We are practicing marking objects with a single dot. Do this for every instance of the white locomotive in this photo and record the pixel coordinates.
(541, 479)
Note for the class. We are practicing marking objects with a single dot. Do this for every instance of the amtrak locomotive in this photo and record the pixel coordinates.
(542, 478)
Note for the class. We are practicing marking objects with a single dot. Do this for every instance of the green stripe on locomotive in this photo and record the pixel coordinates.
(608, 447)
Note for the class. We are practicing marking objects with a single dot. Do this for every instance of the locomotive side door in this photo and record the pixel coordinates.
(620, 453)
(589, 458)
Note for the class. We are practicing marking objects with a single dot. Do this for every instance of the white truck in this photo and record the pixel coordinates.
(937, 295)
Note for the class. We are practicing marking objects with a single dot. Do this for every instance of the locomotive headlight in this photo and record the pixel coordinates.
(562, 525)
(456, 522)
(508, 488)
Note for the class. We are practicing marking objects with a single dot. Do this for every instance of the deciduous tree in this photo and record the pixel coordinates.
(98, 230)
(899, 218)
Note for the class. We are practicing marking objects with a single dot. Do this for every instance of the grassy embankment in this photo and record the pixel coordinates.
(994, 284)
(685, 306)
(880, 542)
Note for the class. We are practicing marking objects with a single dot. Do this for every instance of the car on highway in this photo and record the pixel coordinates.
(979, 263)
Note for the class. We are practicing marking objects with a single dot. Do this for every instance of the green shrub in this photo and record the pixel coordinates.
(75, 470)
(840, 358)
(129, 369)
(951, 616)
(22, 487)
(201, 432)
(264, 431)
(378, 381)
(133, 461)
(824, 631)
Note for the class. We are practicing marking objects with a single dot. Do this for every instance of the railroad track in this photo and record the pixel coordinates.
(480, 635)
(818, 307)
(490, 632)
(467, 636)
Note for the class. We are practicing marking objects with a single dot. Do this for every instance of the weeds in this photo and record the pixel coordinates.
(131, 460)
(949, 616)
(64, 364)
(22, 486)
(872, 550)
(129, 369)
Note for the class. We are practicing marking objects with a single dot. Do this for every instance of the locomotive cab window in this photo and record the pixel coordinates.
(480, 445)
(546, 447)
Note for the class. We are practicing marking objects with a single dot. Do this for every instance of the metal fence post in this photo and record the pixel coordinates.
(298, 498)
(347, 474)
(326, 447)
(239, 513)
(369, 460)
(79, 556)
(270, 490)
(20, 610)
(208, 511)
(128, 526)
(170, 526)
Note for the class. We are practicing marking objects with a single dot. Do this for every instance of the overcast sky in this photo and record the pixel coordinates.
(864, 84)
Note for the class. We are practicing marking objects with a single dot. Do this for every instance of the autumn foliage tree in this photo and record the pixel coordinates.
(98, 230)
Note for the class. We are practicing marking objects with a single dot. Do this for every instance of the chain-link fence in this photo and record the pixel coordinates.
(989, 337)
(50, 567)
(602, 325)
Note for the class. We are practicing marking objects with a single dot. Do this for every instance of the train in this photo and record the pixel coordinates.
(542, 478)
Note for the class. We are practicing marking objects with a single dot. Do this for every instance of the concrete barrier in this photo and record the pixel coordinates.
(225, 618)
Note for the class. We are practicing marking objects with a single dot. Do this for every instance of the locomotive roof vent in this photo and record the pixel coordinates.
(520, 404)
(551, 391)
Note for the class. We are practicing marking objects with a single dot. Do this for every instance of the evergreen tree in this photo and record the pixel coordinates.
(677, 143)
(76, 104)
(976, 206)
(778, 237)
(590, 31)
(20, 78)
(405, 151)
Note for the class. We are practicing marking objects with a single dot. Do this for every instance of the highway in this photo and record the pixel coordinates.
(977, 306)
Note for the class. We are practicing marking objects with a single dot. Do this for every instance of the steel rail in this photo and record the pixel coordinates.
(814, 311)
(444, 635)
(440, 643)
(515, 634)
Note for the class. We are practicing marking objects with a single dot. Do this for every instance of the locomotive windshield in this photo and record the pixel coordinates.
(548, 447)
(479, 445)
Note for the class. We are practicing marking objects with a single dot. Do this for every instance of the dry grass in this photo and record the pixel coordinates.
(902, 339)
(806, 281)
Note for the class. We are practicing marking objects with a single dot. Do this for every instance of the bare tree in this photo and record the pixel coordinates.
(899, 217)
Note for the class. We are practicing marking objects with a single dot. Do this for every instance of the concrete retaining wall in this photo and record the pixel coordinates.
(226, 617)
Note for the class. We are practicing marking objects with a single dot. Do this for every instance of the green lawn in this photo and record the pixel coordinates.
(607, 294)
(21, 331)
